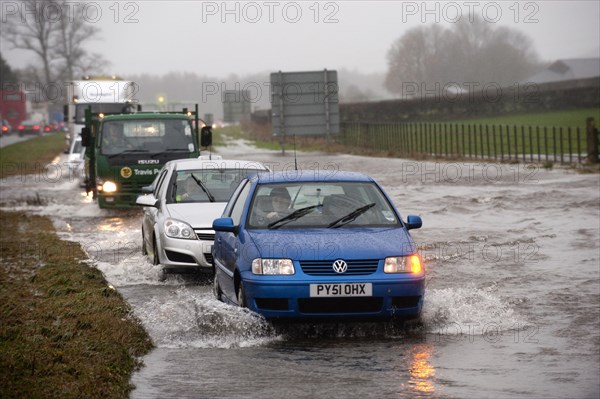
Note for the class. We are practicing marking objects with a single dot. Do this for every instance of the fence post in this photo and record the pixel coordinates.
(537, 138)
(516, 134)
(570, 145)
(560, 133)
(508, 140)
(523, 143)
(481, 139)
(530, 143)
(593, 140)
(501, 145)
(554, 143)
(546, 142)
(578, 145)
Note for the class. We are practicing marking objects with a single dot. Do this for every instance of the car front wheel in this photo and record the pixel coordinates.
(241, 295)
(217, 288)
(144, 248)
(155, 258)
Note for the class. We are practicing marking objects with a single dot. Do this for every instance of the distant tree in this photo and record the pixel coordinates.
(7, 75)
(353, 94)
(54, 34)
(415, 58)
(70, 43)
(470, 54)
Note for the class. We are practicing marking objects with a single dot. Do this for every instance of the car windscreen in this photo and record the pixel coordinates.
(206, 185)
(146, 136)
(320, 205)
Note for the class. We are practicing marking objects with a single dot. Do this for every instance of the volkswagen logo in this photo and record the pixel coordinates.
(340, 266)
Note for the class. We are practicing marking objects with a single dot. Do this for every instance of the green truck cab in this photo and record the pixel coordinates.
(124, 152)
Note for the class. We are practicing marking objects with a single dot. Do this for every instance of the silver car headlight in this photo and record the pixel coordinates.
(273, 266)
(177, 229)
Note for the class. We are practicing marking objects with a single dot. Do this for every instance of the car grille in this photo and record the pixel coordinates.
(340, 305)
(325, 267)
(128, 186)
(179, 257)
(204, 235)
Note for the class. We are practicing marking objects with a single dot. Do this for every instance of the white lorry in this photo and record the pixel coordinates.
(109, 94)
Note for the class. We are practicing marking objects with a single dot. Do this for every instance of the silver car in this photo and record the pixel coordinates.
(184, 199)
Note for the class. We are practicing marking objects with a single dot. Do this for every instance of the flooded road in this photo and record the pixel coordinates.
(511, 306)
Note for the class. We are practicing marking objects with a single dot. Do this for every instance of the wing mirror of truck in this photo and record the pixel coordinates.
(86, 137)
(205, 136)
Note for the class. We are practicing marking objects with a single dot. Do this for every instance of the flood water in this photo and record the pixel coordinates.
(512, 304)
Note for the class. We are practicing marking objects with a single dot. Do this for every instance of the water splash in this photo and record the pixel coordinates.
(197, 320)
(468, 310)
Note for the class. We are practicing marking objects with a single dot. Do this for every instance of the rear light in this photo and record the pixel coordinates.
(21, 127)
(5, 128)
(36, 127)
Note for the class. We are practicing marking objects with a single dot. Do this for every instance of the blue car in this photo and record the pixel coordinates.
(303, 245)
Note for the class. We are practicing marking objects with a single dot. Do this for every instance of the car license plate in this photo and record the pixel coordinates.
(341, 290)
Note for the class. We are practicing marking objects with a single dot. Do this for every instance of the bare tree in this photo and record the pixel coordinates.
(416, 58)
(471, 53)
(30, 29)
(7, 74)
(57, 34)
(70, 40)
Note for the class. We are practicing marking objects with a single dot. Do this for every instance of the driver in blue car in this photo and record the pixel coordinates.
(280, 202)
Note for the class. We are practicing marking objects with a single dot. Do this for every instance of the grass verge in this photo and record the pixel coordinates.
(31, 156)
(64, 333)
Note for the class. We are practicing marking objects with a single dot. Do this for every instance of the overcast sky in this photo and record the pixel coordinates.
(222, 38)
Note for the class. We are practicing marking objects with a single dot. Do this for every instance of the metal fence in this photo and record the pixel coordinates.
(497, 142)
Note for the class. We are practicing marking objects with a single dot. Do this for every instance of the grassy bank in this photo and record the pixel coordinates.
(64, 333)
(30, 156)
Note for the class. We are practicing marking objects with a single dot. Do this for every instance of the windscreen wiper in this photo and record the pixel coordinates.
(297, 214)
(126, 152)
(203, 187)
(162, 152)
(351, 216)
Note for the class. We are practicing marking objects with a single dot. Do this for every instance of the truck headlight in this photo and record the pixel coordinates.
(177, 229)
(272, 266)
(403, 264)
(109, 187)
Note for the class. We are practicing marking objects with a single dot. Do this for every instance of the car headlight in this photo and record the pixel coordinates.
(403, 264)
(178, 229)
(272, 266)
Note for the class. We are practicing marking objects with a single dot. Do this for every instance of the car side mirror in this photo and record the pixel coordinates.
(147, 200)
(413, 222)
(147, 190)
(224, 224)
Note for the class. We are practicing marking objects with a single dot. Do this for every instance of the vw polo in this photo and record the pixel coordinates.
(304, 245)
